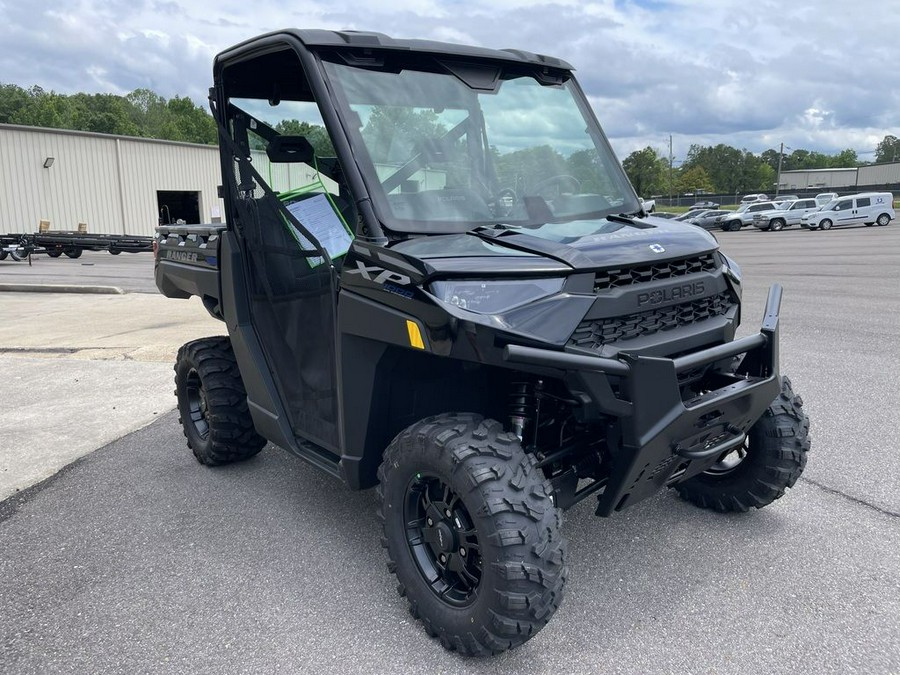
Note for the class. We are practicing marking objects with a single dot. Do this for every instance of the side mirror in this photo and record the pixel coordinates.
(290, 149)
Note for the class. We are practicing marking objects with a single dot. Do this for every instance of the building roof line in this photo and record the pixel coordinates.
(94, 134)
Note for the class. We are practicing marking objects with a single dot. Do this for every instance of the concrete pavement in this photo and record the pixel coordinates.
(138, 559)
(80, 371)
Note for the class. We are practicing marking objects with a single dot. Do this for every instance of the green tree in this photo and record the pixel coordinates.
(693, 179)
(12, 99)
(315, 133)
(762, 178)
(646, 170)
(583, 165)
(770, 157)
(101, 113)
(392, 133)
(187, 122)
(524, 169)
(888, 149)
(724, 165)
(844, 159)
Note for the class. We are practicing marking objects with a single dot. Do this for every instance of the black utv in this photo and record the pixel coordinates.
(436, 278)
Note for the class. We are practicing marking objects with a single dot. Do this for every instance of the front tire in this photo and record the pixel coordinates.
(472, 533)
(776, 225)
(825, 224)
(758, 473)
(212, 403)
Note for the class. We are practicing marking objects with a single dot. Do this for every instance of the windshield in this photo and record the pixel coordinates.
(440, 155)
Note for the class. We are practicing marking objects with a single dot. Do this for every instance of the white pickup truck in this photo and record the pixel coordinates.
(790, 214)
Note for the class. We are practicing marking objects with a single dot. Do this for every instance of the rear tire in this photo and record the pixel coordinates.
(54, 254)
(73, 253)
(471, 532)
(3, 255)
(883, 219)
(773, 459)
(212, 403)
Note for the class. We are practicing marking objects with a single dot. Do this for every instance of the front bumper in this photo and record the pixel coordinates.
(665, 439)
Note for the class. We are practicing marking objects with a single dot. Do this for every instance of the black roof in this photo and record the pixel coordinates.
(376, 41)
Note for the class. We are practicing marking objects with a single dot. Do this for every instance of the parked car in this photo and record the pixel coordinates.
(707, 219)
(664, 214)
(870, 208)
(790, 213)
(744, 214)
(648, 204)
(785, 198)
(751, 199)
(824, 198)
(689, 214)
(705, 205)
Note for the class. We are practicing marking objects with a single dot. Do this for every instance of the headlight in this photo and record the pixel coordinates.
(732, 269)
(495, 295)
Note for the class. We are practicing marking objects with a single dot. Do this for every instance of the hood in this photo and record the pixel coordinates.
(575, 245)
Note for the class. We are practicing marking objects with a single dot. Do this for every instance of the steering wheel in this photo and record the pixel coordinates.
(560, 180)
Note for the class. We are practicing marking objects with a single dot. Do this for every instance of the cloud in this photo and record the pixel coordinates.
(749, 74)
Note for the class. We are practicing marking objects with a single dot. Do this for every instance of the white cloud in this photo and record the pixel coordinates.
(812, 74)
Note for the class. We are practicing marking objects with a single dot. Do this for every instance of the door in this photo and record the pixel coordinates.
(862, 210)
(844, 212)
(178, 207)
(293, 236)
(800, 209)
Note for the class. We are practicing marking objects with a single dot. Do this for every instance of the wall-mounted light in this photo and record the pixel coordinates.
(49, 162)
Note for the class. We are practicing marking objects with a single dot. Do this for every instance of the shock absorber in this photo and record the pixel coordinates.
(523, 406)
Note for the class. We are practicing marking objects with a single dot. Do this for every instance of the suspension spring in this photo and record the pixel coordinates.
(523, 406)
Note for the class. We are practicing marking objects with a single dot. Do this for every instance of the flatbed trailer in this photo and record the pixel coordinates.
(71, 244)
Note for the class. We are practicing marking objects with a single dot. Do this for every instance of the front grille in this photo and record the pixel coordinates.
(638, 274)
(594, 334)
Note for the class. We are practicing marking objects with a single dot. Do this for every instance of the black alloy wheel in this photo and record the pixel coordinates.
(212, 403)
(443, 540)
(198, 409)
(472, 533)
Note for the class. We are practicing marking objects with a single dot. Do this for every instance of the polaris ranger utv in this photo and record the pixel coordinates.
(436, 278)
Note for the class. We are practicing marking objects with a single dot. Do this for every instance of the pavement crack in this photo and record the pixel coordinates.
(855, 500)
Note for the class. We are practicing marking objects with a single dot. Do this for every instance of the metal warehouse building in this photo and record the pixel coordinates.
(114, 184)
(846, 179)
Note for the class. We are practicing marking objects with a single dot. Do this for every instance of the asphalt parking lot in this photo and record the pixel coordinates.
(137, 559)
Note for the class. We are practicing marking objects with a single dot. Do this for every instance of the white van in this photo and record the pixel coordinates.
(824, 198)
(868, 207)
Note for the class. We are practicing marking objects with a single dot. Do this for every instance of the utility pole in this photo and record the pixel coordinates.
(778, 179)
(671, 161)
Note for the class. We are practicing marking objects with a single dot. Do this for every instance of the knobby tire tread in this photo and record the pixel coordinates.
(516, 516)
(232, 436)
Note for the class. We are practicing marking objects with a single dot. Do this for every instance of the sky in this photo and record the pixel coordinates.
(752, 74)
